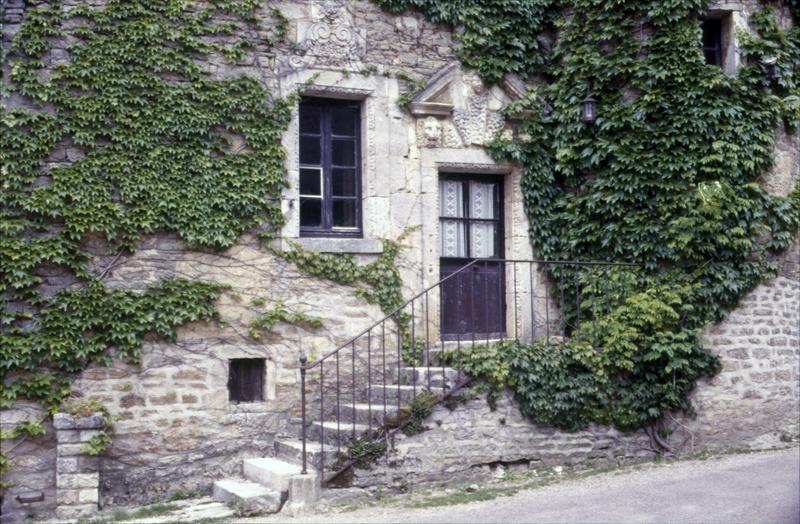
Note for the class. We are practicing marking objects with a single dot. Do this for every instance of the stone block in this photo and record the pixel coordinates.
(67, 436)
(78, 481)
(161, 400)
(89, 495)
(86, 435)
(66, 421)
(68, 450)
(76, 511)
(67, 465)
(304, 491)
(131, 400)
(67, 496)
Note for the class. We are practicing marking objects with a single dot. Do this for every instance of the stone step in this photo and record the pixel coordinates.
(335, 434)
(292, 451)
(439, 376)
(393, 391)
(247, 496)
(363, 412)
(271, 472)
(433, 356)
(204, 509)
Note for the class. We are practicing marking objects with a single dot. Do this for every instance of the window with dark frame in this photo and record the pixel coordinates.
(712, 41)
(330, 172)
(470, 216)
(246, 380)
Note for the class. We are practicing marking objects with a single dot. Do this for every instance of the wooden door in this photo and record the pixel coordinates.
(470, 228)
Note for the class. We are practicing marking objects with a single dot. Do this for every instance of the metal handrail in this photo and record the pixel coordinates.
(451, 275)
(404, 335)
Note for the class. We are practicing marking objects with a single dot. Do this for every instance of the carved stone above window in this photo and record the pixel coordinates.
(457, 110)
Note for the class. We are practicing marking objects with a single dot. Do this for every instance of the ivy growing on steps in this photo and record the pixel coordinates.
(112, 130)
(667, 178)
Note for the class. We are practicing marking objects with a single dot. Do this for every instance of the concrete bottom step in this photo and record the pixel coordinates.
(273, 473)
(248, 497)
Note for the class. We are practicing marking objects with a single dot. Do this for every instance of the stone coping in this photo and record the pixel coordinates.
(67, 421)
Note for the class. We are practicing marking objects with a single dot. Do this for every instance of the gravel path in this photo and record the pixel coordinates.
(748, 488)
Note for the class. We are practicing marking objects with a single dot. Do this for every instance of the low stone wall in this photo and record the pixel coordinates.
(753, 402)
(472, 442)
(755, 399)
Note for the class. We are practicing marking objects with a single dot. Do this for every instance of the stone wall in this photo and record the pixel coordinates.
(472, 442)
(178, 431)
(33, 467)
(753, 403)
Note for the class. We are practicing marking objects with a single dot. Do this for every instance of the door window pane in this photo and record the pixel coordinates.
(310, 212)
(343, 181)
(311, 182)
(451, 198)
(482, 239)
(344, 213)
(481, 200)
(453, 238)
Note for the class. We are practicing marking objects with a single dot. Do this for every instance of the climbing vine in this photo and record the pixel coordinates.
(266, 321)
(112, 130)
(667, 178)
(379, 281)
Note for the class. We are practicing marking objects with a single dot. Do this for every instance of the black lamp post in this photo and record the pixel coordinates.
(589, 113)
(769, 67)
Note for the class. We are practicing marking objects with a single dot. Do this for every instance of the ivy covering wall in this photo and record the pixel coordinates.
(668, 177)
(123, 133)
(112, 130)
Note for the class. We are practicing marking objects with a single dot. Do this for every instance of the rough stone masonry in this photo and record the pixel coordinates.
(177, 430)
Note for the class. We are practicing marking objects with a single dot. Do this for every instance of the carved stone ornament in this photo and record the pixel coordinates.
(456, 109)
(330, 38)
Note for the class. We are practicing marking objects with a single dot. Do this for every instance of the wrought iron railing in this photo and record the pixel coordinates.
(538, 300)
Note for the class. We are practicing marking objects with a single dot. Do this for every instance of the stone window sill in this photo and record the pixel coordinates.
(361, 246)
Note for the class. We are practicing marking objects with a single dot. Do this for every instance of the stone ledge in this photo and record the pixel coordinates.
(67, 421)
(363, 246)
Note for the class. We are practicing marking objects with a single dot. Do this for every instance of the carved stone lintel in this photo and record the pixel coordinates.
(465, 167)
(347, 93)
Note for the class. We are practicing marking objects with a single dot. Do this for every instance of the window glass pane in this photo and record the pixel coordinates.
(344, 213)
(310, 212)
(712, 32)
(481, 200)
(451, 198)
(343, 121)
(309, 118)
(343, 181)
(309, 150)
(343, 152)
(482, 239)
(453, 238)
(311, 182)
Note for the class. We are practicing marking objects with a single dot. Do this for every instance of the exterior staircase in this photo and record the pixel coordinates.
(270, 484)
(361, 391)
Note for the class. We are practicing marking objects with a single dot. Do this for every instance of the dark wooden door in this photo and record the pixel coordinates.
(470, 228)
